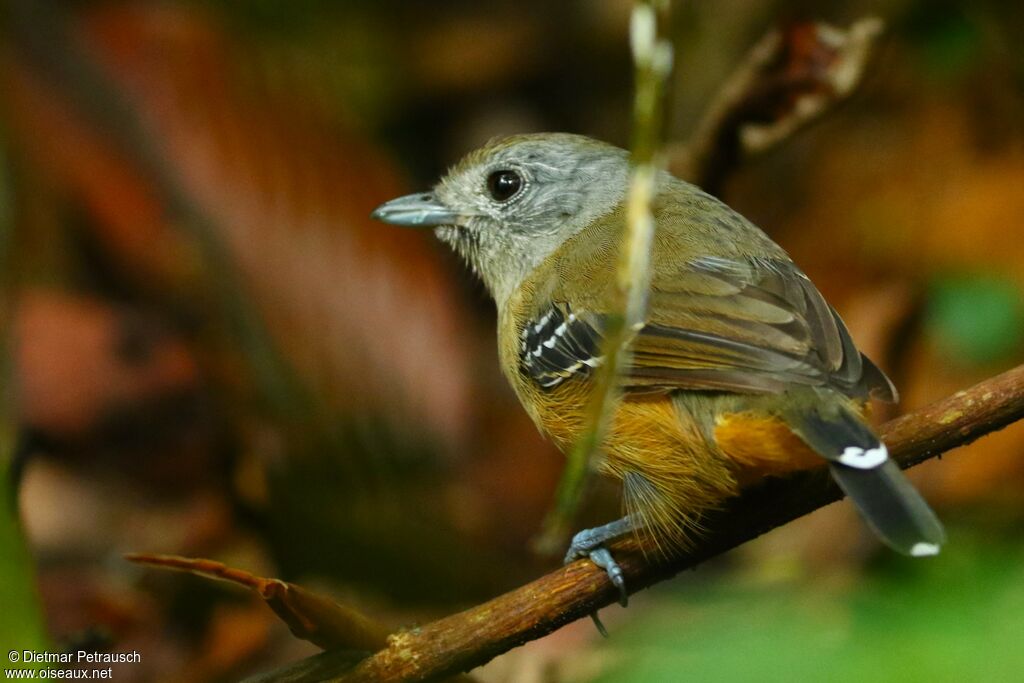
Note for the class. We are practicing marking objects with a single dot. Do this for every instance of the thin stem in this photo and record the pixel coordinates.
(652, 57)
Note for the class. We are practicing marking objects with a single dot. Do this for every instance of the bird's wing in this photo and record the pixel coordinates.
(742, 325)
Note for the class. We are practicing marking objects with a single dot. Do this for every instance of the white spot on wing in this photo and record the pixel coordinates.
(542, 322)
(862, 459)
(924, 550)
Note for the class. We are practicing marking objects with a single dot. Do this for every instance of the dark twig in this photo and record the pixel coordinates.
(790, 78)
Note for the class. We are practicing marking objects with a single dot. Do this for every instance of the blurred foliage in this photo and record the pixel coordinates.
(978, 319)
(21, 625)
(955, 620)
(947, 39)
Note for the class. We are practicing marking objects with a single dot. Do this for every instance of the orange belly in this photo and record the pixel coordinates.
(761, 445)
(682, 475)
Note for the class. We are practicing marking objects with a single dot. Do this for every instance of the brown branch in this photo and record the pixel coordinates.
(309, 615)
(468, 639)
(791, 77)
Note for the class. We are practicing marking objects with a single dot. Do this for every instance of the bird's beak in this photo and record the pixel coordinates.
(422, 210)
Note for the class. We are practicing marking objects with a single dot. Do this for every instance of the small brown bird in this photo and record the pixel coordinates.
(740, 370)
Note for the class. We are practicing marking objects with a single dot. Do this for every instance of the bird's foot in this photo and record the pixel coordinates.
(591, 543)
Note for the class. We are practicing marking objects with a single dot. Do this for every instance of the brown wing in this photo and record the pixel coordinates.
(748, 325)
(742, 325)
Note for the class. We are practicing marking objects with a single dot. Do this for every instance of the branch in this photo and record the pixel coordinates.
(468, 639)
(790, 78)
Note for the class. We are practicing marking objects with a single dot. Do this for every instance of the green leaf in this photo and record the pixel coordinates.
(978, 319)
(21, 625)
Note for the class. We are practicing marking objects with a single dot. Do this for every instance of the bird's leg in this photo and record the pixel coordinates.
(590, 543)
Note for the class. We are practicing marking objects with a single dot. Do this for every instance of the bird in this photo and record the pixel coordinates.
(739, 370)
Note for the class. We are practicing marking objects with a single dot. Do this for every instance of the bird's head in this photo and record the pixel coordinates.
(508, 205)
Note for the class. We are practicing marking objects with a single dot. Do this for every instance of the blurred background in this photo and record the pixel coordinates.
(211, 350)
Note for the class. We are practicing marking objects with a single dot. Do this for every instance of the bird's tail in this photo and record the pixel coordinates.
(860, 464)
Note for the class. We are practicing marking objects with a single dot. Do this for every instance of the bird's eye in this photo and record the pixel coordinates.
(504, 184)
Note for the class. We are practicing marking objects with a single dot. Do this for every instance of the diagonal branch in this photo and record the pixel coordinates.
(473, 637)
(792, 77)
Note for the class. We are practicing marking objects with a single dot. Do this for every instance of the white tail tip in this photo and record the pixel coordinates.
(924, 550)
(862, 459)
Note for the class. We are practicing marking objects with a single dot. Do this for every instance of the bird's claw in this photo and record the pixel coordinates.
(588, 543)
(603, 559)
(581, 545)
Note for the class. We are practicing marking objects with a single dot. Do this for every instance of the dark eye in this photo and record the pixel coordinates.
(504, 184)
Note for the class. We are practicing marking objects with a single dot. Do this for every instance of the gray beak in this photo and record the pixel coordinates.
(422, 210)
